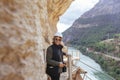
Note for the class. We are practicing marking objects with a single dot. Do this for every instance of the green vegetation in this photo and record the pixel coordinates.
(89, 36)
(110, 66)
(104, 47)
(117, 35)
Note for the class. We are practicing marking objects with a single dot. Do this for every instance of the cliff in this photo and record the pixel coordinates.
(99, 23)
(26, 28)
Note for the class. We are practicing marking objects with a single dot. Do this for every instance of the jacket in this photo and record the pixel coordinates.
(54, 57)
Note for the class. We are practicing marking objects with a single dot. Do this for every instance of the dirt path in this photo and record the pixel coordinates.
(115, 58)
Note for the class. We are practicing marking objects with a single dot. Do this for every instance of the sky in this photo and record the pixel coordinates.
(76, 9)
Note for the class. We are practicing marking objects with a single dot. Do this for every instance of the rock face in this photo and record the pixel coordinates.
(96, 24)
(104, 7)
(26, 28)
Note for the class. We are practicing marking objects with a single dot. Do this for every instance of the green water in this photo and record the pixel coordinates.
(93, 69)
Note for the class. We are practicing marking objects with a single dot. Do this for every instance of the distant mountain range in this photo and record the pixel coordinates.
(100, 23)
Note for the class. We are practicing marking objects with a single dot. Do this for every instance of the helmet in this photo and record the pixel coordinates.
(58, 34)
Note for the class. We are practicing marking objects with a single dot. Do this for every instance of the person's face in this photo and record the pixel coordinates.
(58, 40)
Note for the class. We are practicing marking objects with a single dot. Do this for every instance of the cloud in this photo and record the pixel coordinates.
(62, 27)
(77, 8)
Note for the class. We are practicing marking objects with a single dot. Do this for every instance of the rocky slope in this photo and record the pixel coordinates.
(26, 28)
(96, 24)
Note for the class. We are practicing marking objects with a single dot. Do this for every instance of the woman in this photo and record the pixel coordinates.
(54, 58)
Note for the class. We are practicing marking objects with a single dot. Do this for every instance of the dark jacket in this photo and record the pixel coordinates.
(54, 57)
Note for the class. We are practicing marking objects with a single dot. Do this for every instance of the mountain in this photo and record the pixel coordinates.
(99, 23)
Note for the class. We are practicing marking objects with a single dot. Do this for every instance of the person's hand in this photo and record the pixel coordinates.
(62, 44)
(61, 65)
(66, 55)
(65, 63)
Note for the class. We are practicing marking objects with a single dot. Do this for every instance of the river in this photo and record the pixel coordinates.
(93, 69)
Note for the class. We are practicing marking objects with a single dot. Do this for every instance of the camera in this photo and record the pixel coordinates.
(64, 69)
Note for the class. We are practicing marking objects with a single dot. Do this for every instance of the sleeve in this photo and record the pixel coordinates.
(49, 58)
(64, 53)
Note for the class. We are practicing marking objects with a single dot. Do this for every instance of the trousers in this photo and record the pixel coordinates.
(55, 76)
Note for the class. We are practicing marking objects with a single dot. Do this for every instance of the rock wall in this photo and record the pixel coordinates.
(26, 28)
